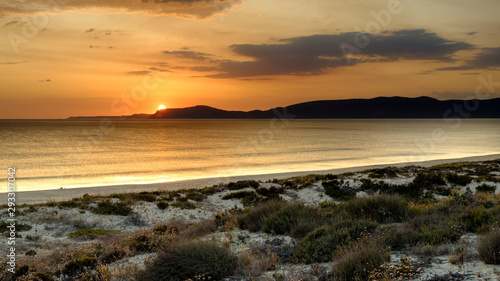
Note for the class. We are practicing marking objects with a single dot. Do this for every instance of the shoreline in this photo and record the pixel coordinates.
(41, 196)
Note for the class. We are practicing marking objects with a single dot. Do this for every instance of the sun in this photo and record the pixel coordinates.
(161, 107)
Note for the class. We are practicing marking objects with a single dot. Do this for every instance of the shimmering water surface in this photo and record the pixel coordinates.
(50, 154)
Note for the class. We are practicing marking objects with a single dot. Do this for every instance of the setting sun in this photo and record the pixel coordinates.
(161, 107)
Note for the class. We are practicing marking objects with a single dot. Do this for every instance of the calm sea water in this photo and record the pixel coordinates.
(53, 154)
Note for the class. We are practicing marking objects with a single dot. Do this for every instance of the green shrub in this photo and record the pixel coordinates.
(43, 276)
(19, 226)
(242, 184)
(270, 191)
(486, 188)
(68, 204)
(182, 262)
(255, 219)
(333, 189)
(355, 262)
(134, 197)
(389, 172)
(477, 219)
(91, 233)
(410, 190)
(384, 209)
(489, 247)
(210, 190)
(295, 219)
(109, 208)
(162, 205)
(319, 245)
(78, 265)
(459, 179)
(239, 195)
(400, 238)
(427, 180)
(112, 256)
(196, 196)
(184, 205)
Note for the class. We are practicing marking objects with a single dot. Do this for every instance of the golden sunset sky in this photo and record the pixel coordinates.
(61, 58)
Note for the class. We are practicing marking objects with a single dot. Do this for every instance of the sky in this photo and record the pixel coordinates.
(61, 58)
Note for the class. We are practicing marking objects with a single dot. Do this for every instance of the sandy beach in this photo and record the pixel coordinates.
(119, 231)
(41, 196)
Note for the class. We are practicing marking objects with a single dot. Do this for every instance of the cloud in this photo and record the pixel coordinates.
(140, 72)
(189, 55)
(11, 23)
(13, 62)
(488, 58)
(448, 95)
(199, 9)
(149, 71)
(314, 55)
(158, 69)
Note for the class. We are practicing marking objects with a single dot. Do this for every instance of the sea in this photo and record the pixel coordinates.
(54, 154)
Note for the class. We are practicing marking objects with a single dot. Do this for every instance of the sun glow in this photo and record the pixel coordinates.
(161, 107)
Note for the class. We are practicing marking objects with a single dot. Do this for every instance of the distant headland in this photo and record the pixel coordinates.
(380, 107)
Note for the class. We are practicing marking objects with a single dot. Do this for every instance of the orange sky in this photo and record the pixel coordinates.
(114, 57)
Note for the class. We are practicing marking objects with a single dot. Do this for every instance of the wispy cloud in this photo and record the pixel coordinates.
(488, 58)
(13, 62)
(189, 55)
(199, 9)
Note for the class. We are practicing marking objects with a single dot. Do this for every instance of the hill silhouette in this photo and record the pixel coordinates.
(381, 107)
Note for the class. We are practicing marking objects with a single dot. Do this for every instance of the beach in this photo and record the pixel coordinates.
(119, 232)
(66, 194)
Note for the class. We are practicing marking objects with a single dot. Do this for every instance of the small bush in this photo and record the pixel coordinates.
(489, 247)
(270, 191)
(384, 209)
(162, 205)
(68, 204)
(319, 245)
(184, 205)
(356, 261)
(389, 172)
(108, 208)
(242, 184)
(427, 180)
(255, 219)
(486, 188)
(210, 190)
(239, 195)
(112, 256)
(333, 189)
(77, 266)
(459, 179)
(91, 233)
(134, 197)
(182, 262)
(288, 219)
(477, 219)
(196, 196)
(44, 276)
